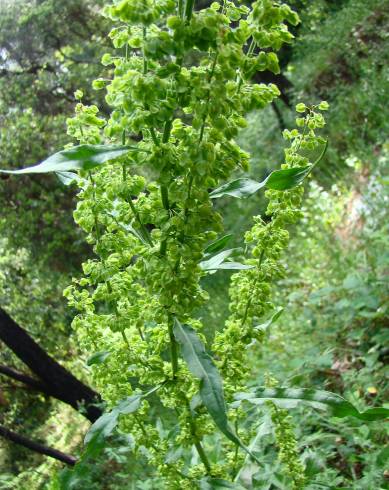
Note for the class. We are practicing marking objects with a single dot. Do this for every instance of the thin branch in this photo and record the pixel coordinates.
(37, 447)
(25, 378)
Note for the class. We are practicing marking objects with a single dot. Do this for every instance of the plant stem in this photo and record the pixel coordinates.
(173, 347)
(250, 300)
(189, 9)
(166, 131)
(180, 8)
(236, 447)
(125, 338)
(154, 137)
(165, 197)
(145, 67)
(142, 226)
(211, 73)
(203, 456)
(197, 440)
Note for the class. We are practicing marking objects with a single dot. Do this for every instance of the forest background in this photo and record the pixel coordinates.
(332, 333)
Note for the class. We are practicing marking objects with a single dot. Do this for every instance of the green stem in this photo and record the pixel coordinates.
(236, 447)
(125, 338)
(173, 348)
(180, 8)
(166, 131)
(165, 197)
(197, 440)
(203, 456)
(249, 53)
(212, 72)
(142, 226)
(250, 300)
(189, 9)
(154, 136)
(166, 205)
(145, 67)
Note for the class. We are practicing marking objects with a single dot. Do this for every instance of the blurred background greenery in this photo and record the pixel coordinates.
(332, 333)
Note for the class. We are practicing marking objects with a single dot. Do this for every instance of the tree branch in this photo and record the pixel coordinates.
(35, 446)
(60, 382)
(25, 378)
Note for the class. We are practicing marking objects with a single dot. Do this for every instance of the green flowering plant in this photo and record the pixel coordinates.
(180, 83)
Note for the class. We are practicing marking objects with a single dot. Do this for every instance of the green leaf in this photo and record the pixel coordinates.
(104, 426)
(76, 158)
(68, 178)
(98, 357)
(233, 266)
(282, 180)
(217, 245)
(239, 188)
(216, 260)
(201, 366)
(73, 479)
(216, 483)
(264, 326)
(290, 397)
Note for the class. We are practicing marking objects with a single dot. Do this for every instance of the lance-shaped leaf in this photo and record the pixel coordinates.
(239, 188)
(218, 244)
(290, 397)
(280, 180)
(235, 266)
(67, 178)
(287, 178)
(218, 262)
(98, 357)
(104, 426)
(202, 367)
(218, 483)
(263, 327)
(76, 158)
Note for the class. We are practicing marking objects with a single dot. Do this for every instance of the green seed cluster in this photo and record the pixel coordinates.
(250, 290)
(181, 82)
(287, 447)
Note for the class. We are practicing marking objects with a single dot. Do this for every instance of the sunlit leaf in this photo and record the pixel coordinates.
(233, 266)
(76, 158)
(264, 326)
(240, 188)
(216, 260)
(279, 180)
(287, 178)
(98, 357)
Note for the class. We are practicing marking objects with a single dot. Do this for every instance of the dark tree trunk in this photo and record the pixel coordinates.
(60, 383)
(35, 446)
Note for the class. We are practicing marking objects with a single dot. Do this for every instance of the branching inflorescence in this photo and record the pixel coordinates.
(181, 82)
